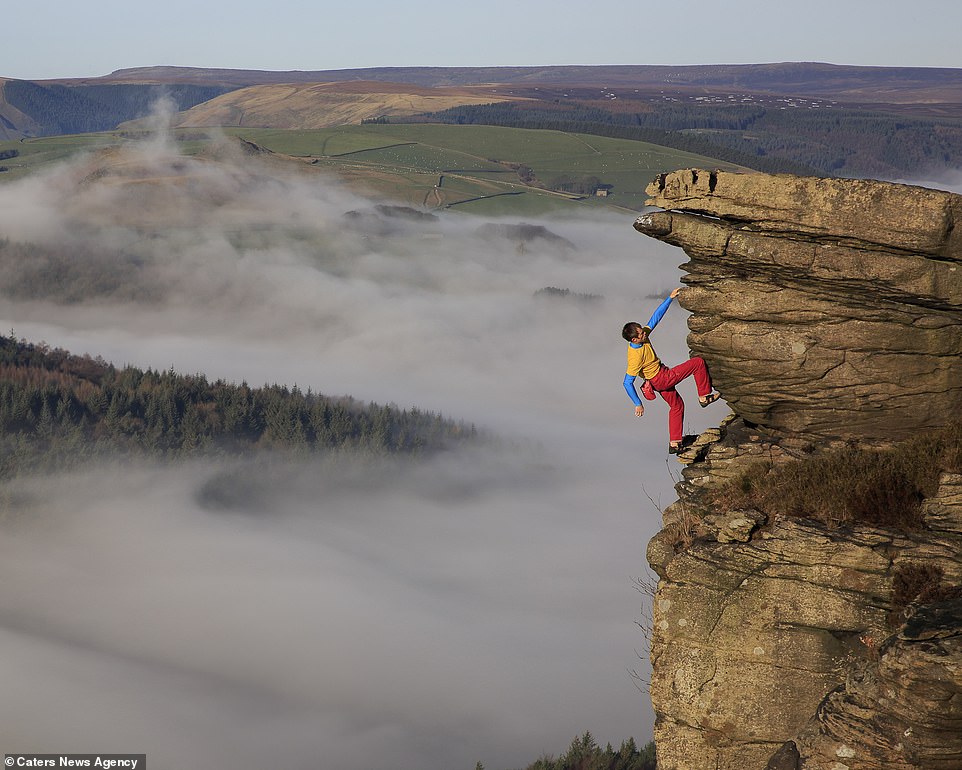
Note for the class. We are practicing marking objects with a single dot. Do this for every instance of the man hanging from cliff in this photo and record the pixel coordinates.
(644, 362)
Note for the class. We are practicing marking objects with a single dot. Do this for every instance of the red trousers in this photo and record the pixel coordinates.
(664, 382)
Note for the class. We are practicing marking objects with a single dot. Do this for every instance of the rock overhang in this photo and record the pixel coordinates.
(824, 307)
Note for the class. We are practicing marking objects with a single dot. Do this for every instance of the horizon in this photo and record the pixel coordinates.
(101, 37)
(192, 67)
(374, 67)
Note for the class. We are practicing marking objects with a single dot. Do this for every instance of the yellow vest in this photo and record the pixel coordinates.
(643, 361)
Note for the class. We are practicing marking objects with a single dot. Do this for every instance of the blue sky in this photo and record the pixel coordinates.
(64, 38)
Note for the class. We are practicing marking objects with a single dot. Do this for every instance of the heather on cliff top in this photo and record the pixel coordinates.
(883, 487)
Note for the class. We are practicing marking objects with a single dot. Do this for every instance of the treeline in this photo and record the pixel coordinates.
(857, 143)
(553, 292)
(57, 409)
(578, 120)
(579, 185)
(827, 141)
(82, 109)
(585, 754)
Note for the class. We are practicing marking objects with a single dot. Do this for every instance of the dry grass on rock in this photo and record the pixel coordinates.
(881, 487)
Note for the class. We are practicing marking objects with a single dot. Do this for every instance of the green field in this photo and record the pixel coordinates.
(467, 168)
(35, 154)
(471, 162)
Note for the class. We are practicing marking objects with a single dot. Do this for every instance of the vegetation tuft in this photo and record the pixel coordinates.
(553, 292)
(918, 584)
(882, 487)
(57, 409)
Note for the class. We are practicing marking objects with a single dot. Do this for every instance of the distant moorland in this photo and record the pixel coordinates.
(883, 122)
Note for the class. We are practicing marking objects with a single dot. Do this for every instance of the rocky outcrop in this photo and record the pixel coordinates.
(830, 315)
(829, 307)
(757, 620)
(901, 712)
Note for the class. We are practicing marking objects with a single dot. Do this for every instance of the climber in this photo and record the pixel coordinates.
(643, 361)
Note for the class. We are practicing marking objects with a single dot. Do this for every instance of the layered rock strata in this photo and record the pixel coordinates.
(901, 713)
(830, 315)
(757, 620)
(828, 307)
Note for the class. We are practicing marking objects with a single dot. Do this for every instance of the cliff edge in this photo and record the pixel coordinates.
(827, 307)
(808, 612)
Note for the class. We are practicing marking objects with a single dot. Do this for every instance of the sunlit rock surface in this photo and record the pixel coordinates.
(830, 307)
(900, 712)
(755, 622)
(830, 315)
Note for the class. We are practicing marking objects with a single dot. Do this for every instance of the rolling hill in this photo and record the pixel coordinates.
(477, 169)
(49, 109)
(805, 118)
(320, 105)
(856, 84)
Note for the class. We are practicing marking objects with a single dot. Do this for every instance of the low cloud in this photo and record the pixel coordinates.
(390, 614)
(950, 179)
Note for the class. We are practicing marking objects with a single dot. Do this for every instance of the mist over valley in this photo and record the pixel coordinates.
(467, 595)
(469, 605)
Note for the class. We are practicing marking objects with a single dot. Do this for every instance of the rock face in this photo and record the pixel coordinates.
(755, 622)
(830, 307)
(828, 311)
(873, 720)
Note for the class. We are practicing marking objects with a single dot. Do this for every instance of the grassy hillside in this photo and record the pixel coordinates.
(487, 170)
(484, 169)
(319, 105)
(882, 122)
(21, 158)
(767, 133)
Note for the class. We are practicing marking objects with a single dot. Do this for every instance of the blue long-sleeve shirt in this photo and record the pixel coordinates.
(629, 381)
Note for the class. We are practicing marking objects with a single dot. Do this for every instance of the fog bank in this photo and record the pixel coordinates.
(471, 607)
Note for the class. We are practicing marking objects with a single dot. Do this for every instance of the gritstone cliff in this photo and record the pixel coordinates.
(788, 635)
